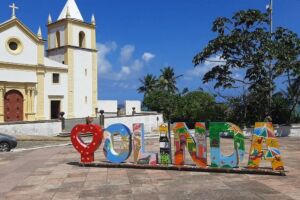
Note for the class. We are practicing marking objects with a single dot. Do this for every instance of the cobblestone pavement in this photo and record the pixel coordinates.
(48, 174)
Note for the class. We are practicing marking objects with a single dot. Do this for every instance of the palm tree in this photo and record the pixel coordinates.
(149, 83)
(167, 80)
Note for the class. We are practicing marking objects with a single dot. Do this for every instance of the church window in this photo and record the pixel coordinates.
(55, 78)
(82, 39)
(14, 46)
(86, 99)
(57, 39)
(85, 72)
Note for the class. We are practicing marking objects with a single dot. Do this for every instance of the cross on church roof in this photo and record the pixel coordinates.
(13, 7)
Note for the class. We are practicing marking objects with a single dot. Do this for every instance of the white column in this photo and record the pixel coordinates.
(2, 90)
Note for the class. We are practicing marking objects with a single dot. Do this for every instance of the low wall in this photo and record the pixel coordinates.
(40, 128)
(150, 121)
(70, 123)
(295, 130)
(280, 131)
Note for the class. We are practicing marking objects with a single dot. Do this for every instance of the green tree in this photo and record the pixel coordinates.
(198, 106)
(287, 52)
(163, 102)
(163, 96)
(246, 109)
(280, 114)
(149, 83)
(293, 97)
(244, 43)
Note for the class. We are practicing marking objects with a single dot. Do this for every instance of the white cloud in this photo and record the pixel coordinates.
(124, 85)
(123, 69)
(137, 65)
(122, 74)
(147, 56)
(126, 53)
(199, 71)
(104, 64)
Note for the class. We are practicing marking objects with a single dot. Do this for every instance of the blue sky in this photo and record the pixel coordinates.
(136, 37)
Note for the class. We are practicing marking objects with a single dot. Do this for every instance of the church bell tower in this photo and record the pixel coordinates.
(72, 41)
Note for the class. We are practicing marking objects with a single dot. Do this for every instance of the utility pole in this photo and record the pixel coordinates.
(271, 15)
(270, 67)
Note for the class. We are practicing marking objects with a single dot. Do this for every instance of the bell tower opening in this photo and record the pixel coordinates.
(81, 39)
(57, 44)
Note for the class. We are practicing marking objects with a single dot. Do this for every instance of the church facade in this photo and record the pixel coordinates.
(37, 83)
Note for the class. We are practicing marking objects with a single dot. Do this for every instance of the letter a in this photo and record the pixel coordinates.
(264, 133)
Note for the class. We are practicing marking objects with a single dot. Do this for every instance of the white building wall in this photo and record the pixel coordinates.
(75, 39)
(29, 52)
(57, 55)
(58, 90)
(108, 105)
(83, 83)
(52, 35)
(130, 104)
(11, 75)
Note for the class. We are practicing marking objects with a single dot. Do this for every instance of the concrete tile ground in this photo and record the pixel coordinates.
(48, 174)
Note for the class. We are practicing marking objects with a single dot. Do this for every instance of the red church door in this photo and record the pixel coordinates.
(13, 106)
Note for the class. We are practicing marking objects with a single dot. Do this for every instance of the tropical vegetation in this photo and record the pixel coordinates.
(252, 59)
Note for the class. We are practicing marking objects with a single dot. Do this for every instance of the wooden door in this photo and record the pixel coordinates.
(55, 109)
(13, 106)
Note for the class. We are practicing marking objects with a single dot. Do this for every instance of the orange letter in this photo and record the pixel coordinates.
(197, 149)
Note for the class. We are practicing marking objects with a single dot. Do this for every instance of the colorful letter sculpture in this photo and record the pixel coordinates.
(264, 146)
(108, 148)
(164, 145)
(196, 146)
(86, 151)
(139, 154)
(219, 160)
(264, 133)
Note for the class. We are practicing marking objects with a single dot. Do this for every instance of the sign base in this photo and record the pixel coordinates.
(193, 168)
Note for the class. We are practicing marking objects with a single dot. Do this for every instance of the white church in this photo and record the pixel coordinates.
(38, 83)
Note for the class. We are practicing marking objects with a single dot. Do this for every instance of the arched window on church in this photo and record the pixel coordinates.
(57, 39)
(82, 39)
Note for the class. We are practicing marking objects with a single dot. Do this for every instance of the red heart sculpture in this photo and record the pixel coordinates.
(87, 151)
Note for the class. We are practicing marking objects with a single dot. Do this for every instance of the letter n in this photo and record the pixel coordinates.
(196, 146)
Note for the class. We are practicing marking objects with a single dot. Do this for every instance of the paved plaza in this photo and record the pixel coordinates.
(49, 174)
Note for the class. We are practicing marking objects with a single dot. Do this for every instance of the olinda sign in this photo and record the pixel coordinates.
(264, 146)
